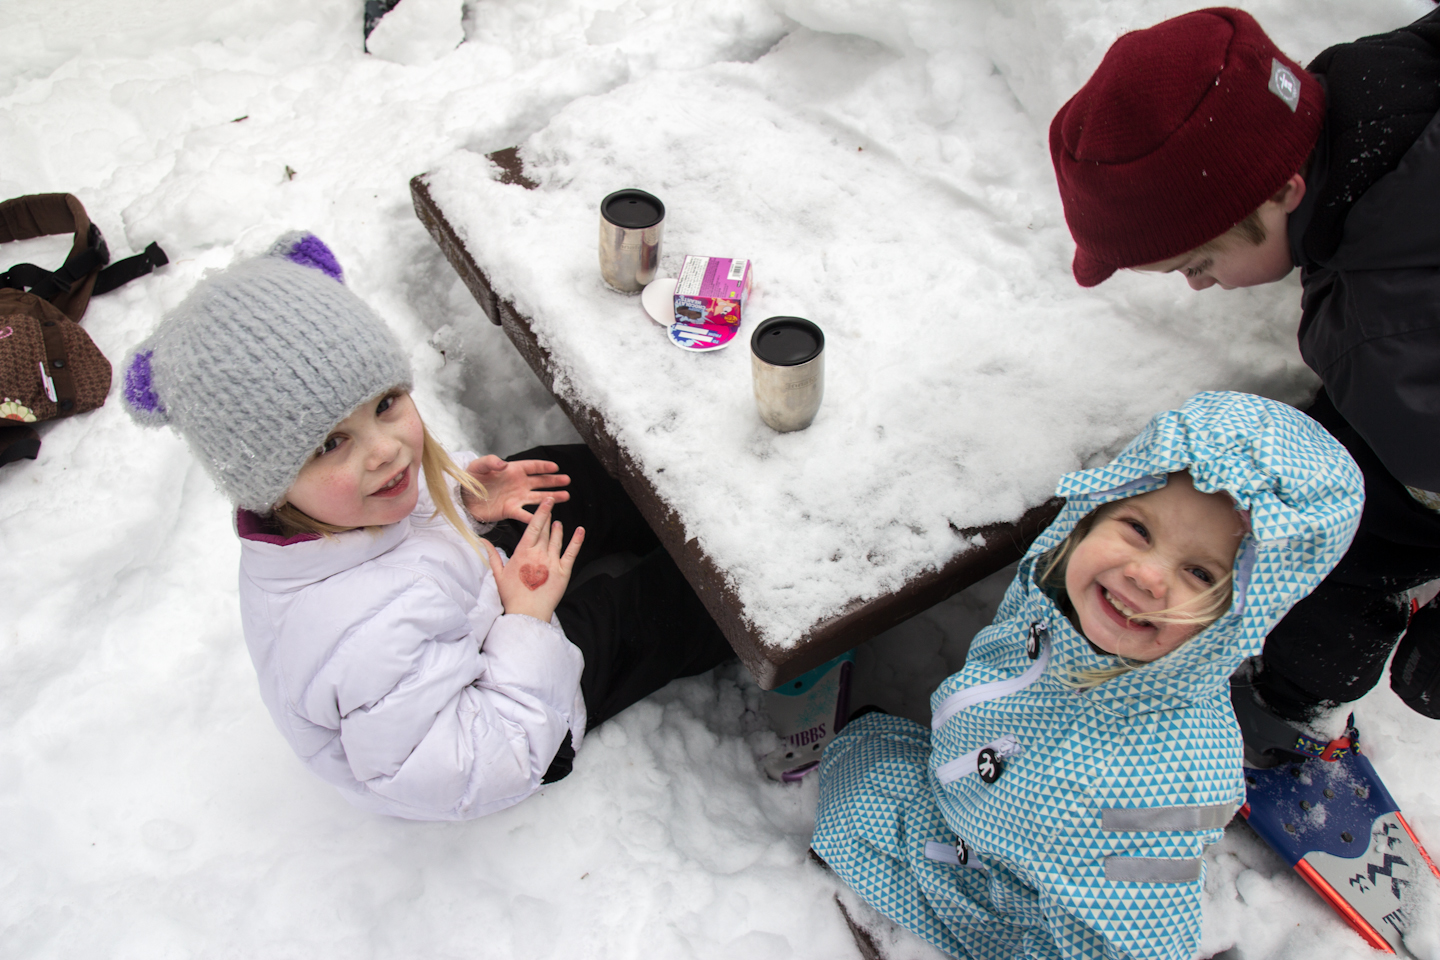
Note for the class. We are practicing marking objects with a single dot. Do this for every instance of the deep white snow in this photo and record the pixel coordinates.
(148, 808)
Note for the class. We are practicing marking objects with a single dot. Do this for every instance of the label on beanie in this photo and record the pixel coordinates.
(1284, 84)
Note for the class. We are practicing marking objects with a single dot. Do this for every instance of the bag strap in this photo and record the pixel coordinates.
(81, 276)
(18, 441)
(42, 215)
(122, 272)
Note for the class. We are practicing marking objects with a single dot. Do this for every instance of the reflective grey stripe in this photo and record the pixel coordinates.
(981, 692)
(1152, 870)
(1148, 819)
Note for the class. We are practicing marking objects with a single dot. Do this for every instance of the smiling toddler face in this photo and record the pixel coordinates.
(1159, 551)
(367, 471)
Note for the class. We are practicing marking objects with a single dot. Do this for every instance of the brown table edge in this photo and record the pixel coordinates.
(770, 665)
(1004, 543)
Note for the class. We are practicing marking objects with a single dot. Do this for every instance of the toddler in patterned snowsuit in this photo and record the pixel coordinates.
(1076, 768)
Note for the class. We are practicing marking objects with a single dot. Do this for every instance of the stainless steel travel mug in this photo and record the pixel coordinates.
(631, 224)
(787, 358)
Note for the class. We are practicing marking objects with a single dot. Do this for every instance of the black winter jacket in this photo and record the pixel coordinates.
(1367, 237)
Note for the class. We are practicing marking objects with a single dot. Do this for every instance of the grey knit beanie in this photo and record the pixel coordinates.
(259, 363)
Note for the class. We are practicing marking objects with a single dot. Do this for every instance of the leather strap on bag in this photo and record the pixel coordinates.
(18, 442)
(70, 287)
(42, 215)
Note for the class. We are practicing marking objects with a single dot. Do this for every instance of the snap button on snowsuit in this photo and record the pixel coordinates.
(1032, 641)
(989, 765)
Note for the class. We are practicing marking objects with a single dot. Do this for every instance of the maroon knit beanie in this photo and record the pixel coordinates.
(1184, 130)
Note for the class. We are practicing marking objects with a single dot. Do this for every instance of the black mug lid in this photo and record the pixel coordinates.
(787, 341)
(632, 209)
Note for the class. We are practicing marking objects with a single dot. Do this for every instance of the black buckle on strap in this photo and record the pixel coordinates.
(49, 284)
(123, 271)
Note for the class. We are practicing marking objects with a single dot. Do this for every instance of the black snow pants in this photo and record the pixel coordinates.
(1332, 646)
(638, 631)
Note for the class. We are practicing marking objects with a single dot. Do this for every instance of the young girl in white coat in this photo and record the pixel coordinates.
(405, 659)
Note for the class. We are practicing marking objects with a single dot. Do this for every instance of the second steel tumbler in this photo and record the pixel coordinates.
(787, 359)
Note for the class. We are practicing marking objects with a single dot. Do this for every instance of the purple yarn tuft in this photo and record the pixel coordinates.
(312, 252)
(139, 392)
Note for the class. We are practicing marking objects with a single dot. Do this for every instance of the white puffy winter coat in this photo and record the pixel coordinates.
(390, 666)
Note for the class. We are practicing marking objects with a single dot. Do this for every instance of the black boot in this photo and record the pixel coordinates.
(1270, 740)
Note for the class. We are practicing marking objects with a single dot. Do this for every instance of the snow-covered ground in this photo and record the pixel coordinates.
(148, 808)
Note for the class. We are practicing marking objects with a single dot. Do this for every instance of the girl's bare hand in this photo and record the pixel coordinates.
(513, 486)
(534, 579)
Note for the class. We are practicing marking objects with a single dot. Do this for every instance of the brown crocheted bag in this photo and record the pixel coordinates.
(49, 366)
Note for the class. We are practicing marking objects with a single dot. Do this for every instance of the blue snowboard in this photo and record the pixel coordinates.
(1333, 820)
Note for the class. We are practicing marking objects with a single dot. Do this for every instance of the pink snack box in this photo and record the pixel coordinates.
(712, 290)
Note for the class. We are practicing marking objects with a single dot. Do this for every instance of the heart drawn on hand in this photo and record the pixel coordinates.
(533, 575)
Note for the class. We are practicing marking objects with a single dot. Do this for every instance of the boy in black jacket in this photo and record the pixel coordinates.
(1198, 147)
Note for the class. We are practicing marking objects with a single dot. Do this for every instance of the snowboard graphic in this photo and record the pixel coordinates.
(1333, 820)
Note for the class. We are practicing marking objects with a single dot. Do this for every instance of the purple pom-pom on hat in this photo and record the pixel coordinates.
(139, 388)
(308, 250)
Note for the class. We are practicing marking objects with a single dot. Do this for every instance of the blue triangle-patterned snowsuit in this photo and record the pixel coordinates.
(1089, 844)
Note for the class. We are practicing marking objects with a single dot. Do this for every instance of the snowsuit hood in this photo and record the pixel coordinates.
(1301, 495)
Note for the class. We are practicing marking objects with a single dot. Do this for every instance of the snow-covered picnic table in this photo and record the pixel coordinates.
(982, 552)
(959, 382)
